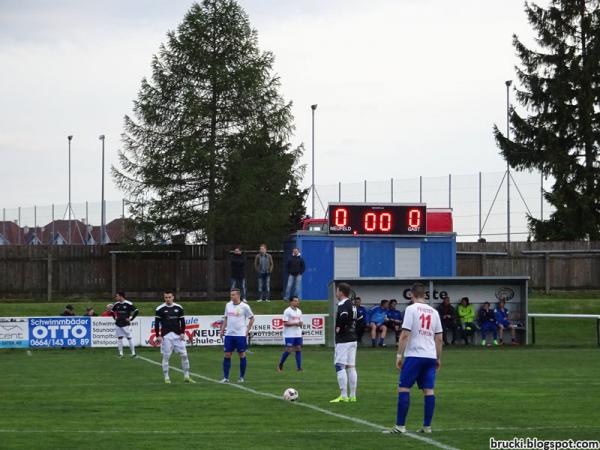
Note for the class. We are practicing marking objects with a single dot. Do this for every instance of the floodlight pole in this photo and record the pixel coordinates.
(312, 187)
(102, 207)
(70, 137)
(508, 83)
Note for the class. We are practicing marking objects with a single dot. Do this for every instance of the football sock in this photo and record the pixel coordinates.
(284, 356)
(429, 407)
(226, 367)
(342, 380)
(373, 342)
(120, 345)
(403, 404)
(131, 346)
(353, 380)
(299, 360)
(380, 341)
(243, 367)
(185, 365)
(165, 366)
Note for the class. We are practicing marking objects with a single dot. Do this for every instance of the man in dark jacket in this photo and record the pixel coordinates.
(448, 317)
(295, 269)
(487, 321)
(238, 272)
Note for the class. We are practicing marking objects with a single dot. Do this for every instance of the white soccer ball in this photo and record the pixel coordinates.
(290, 394)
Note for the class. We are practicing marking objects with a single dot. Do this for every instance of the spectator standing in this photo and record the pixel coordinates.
(238, 272)
(68, 311)
(361, 319)
(89, 311)
(295, 269)
(466, 317)
(448, 318)
(394, 318)
(263, 264)
(107, 311)
(503, 323)
(487, 320)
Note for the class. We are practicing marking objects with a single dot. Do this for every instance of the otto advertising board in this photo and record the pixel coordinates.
(14, 332)
(103, 332)
(60, 332)
(267, 330)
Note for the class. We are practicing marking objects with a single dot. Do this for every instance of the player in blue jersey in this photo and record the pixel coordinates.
(503, 323)
(377, 317)
(394, 318)
(418, 358)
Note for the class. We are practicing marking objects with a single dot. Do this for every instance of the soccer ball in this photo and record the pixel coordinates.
(290, 394)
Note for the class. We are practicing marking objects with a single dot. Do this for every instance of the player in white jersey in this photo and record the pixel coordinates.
(292, 333)
(237, 323)
(418, 358)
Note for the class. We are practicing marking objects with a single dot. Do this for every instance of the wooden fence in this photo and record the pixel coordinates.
(98, 271)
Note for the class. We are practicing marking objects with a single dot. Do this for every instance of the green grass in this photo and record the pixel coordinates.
(87, 398)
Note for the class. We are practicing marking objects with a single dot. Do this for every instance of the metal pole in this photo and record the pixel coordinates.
(123, 219)
(542, 196)
(365, 191)
(392, 189)
(4, 223)
(479, 205)
(102, 206)
(339, 191)
(449, 190)
(312, 187)
(70, 137)
(52, 223)
(19, 233)
(421, 189)
(508, 83)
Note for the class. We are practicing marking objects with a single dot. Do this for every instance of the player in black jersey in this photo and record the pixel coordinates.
(345, 344)
(169, 327)
(124, 312)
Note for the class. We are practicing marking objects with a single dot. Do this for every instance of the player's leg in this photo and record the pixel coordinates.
(397, 332)
(127, 331)
(484, 334)
(267, 285)
(179, 347)
(501, 332)
(340, 361)
(288, 349)
(120, 345)
(298, 348)
(351, 370)
(373, 327)
(260, 288)
(426, 382)
(243, 288)
(228, 347)
(408, 375)
(242, 346)
(166, 348)
(383, 330)
(494, 329)
(513, 334)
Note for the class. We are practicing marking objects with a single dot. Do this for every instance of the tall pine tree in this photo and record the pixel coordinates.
(210, 116)
(560, 136)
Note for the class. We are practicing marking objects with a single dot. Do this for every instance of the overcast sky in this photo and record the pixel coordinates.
(404, 87)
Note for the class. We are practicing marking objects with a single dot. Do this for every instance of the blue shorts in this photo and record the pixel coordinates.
(504, 323)
(235, 343)
(293, 342)
(421, 370)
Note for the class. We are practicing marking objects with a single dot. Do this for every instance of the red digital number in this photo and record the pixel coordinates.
(385, 222)
(414, 218)
(370, 221)
(340, 217)
(425, 320)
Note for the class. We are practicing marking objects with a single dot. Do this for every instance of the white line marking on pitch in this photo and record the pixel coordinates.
(313, 407)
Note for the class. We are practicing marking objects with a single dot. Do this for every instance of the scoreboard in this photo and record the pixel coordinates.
(377, 219)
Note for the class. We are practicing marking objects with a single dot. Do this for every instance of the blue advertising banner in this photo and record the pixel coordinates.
(60, 332)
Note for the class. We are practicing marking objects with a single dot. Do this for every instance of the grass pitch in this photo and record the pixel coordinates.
(88, 398)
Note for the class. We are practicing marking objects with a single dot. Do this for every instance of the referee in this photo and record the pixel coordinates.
(345, 345)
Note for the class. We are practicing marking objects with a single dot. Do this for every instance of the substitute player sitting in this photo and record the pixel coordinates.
(292, 333)
(124, 312)
(237, 323)
(169, 327)
(377, 318)
(418, 358)
(502, 320)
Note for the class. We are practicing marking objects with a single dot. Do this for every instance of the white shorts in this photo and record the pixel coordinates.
(345, 354)
(172, 342)
(122, 332)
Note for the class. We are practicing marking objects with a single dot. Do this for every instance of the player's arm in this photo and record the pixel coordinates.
(182, 328)
(438, 349)
(133, 314)
(223, 326)
(250, 323)
(402, 342)
(157, 324)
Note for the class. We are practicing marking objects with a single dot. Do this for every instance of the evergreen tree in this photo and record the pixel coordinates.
(212, 104)
(560, 89)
